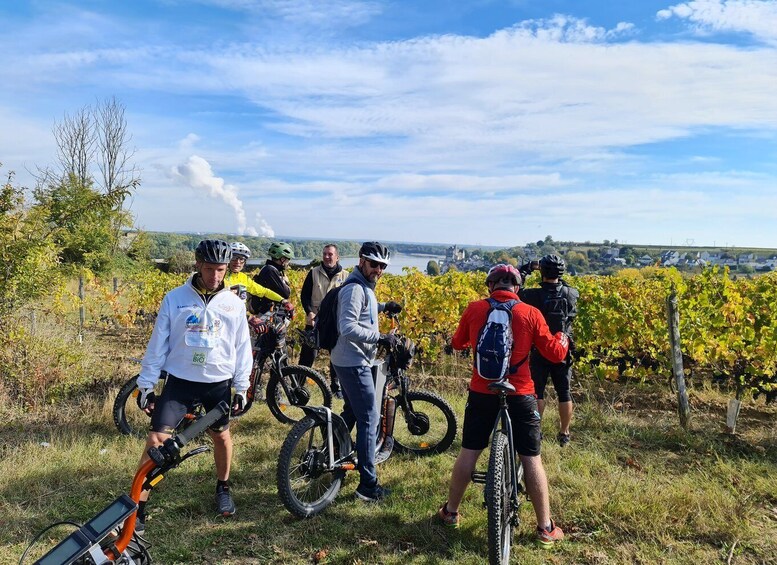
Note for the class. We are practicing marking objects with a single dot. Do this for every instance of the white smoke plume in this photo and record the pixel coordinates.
(196, 172)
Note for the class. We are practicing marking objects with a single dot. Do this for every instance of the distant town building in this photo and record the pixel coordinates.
(454, 253)
(670, 258)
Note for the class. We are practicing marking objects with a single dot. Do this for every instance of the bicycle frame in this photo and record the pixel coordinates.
(337, 428)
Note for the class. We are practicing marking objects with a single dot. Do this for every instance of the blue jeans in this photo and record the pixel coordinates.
(358, 388)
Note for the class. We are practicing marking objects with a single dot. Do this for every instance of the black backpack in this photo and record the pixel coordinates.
(555, 308)
(325, 330)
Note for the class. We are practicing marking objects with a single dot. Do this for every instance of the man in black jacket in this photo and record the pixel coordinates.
(273, 276)
(558, 303)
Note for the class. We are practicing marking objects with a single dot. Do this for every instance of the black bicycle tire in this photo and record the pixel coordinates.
(444, 407)
(286, 493)
(274, 383)
(119, 408)
(497, 496)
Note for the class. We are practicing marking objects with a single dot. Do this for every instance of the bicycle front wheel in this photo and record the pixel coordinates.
(305, 487)
(498, 493)
(129, 419)
(303, 387)
(427, 425)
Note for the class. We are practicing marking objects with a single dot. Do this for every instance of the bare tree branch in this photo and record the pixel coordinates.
(76, 138)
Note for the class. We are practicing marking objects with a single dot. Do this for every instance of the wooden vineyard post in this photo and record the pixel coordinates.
(677, 358)
(81, 310)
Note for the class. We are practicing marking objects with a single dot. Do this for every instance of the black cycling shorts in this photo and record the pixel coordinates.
(481, 412)
(179, 397)
(560, 373)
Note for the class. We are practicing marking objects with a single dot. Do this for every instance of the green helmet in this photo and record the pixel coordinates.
(281, 249)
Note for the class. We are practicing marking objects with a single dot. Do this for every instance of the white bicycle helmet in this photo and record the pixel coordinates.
(375, 251)
(240, 249)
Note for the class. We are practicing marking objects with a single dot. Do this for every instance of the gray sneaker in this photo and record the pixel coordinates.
(224, 503)
(374, 494)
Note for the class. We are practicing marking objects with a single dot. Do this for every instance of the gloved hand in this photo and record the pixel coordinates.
(392, 307)
(146, 400)
(387, 340)
(289, 307)
(239, 401)
(258, 325)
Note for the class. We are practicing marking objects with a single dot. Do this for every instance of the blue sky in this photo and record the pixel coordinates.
(481, 122)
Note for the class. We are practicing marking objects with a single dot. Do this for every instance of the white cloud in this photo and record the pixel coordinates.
(756, 17)
(563, 28)
(196, 172)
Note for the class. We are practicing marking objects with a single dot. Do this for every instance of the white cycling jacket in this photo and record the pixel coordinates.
(198, 342)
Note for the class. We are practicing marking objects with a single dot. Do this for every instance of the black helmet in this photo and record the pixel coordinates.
(403, 354)
(552, 266)
(375, 251)
(213, 251)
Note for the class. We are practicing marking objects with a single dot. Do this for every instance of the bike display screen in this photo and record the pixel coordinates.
(113, 515)
(73, 546)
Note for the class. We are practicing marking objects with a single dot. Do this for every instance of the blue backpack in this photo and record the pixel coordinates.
(495, 342)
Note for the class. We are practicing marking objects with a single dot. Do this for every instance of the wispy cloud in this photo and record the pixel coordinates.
(313, 13)
(756, 17)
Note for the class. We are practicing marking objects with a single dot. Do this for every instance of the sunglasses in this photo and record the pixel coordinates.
(376, 264)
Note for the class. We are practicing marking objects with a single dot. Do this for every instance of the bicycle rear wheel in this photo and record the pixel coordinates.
(306, 388)
(498, 493)
(428, 427)
(305, 487)
(129, 419)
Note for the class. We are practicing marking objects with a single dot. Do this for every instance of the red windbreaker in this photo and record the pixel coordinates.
(529, 328)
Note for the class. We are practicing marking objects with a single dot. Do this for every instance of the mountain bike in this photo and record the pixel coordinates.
(109, 537)
(318, 450)
(289, 387)
(503, 481)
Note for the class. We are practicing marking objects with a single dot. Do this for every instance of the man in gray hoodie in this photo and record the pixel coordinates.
(353, 358)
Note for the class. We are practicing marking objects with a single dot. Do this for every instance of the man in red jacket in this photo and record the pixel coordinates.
(529, 328)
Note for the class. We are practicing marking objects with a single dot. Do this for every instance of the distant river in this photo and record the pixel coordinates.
(398, 261)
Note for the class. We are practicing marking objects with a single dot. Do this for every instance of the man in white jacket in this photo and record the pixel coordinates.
(201, 339)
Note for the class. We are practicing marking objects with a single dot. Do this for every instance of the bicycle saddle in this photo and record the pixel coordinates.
(501, 386)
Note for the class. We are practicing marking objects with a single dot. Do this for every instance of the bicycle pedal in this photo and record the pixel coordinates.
(479, 477)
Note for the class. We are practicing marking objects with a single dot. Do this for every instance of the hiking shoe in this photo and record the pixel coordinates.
(140, 525)
(563, 439)
(451, 519)
(224, 503)
(373, 494)
(547, 537)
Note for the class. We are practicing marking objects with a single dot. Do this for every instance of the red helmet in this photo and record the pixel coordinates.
(502, 272)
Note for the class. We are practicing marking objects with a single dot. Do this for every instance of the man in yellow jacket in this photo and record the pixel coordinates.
(235, 276)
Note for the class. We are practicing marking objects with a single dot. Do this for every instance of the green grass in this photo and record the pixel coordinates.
(632, 487)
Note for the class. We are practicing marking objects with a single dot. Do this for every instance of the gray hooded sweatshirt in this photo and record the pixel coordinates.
(357, 323)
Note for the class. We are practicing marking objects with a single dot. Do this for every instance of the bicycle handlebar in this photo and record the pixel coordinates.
(202, 424)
